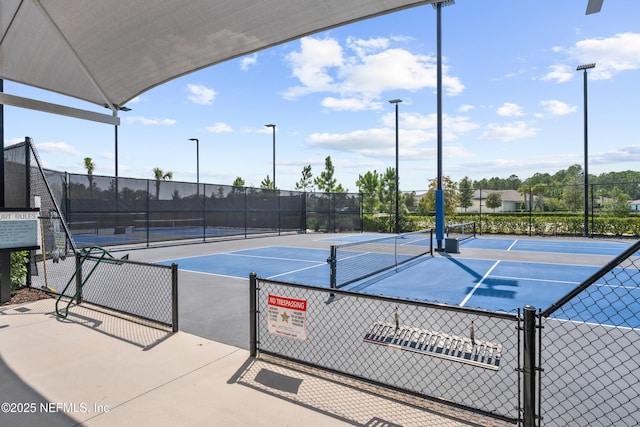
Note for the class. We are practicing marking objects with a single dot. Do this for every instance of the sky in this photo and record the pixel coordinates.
(513, 102)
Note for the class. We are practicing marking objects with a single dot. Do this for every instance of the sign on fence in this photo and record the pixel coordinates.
(18, 229)
(287, 317)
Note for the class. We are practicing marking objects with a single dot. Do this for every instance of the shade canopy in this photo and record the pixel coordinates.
(107, 52)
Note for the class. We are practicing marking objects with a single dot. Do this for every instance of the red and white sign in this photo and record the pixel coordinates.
(287, 317)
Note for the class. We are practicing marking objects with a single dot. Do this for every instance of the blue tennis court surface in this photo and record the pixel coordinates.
(467, 282)
(555, 246)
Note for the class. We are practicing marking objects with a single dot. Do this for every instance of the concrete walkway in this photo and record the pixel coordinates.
(96, 369)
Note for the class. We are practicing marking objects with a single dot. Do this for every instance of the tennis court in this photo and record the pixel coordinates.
(481, 276)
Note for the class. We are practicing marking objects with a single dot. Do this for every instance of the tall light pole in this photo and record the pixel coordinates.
(273, 127)
(397, 229)
(116, 139)
(197, 164)
(586, 150)
(439, 191)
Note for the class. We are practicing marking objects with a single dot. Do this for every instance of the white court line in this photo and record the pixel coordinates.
(464, 301)
(295, 271)
(266, 257)
(512, 245)
(537, 280)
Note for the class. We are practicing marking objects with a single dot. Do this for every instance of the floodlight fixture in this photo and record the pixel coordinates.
(443, 3)
(594, 6)
(585, 67)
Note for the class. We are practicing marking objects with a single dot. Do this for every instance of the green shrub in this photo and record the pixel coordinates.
(19, 262)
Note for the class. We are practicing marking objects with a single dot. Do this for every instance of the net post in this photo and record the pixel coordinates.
(431, 241)
(174, 297)
(529, 371)
(253, 326)
(332, 266)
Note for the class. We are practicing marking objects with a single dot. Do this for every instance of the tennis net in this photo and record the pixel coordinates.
(462, 231)
(352, 262)
(160, 225)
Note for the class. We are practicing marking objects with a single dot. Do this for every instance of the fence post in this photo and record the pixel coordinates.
(332, 266)
(78, 277)
(253, 333)
(174, 297)
(529, 366)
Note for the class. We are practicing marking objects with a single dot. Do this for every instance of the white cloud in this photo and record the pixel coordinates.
(375, 143)
(361, 47)
(612, 55)
(248, 61)
(559, 73)
(558, 108)
(364, 69)
(466, 107)
(200, 94)
(509, 109)
(509, 132)
(311, 63)
(630, 153)
(146, 121)
(219, 128)
(57, 147)
(351, 104)
(452, 125)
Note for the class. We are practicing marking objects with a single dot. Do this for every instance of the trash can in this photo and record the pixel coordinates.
(451, 246)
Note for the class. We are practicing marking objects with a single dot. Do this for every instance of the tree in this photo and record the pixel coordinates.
(305, 181)
(238, 182)
(539, 190)
(427, 204)
(573, 194)
(465, 193)
(369, 185)
(493, 200)
(618, 205)
(90, 166)
(267, 184)
(326, 182)
(388, 190)
(160, 176)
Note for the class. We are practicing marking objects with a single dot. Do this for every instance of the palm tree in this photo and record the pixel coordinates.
(159, 175)
(90, 166)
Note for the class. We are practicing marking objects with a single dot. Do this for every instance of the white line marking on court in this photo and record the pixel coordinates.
(512, 245)
(464, 301)
(269, 257)
(537, 280)
(295, 271)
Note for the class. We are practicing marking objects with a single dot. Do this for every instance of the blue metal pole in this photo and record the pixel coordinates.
(439, 192)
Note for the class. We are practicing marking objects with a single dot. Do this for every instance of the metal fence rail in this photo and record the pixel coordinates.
(461, 356)
(147, 291)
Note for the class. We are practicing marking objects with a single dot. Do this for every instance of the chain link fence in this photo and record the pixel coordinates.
(571, 364)
(456, 355)
(147, 291)
(612, 209)
(589, 368)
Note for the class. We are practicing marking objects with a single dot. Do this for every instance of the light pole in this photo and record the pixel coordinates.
(273, 127)
(116, 140)
(197, 164)
(586, 150)
(439, 191)
(397, 230)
